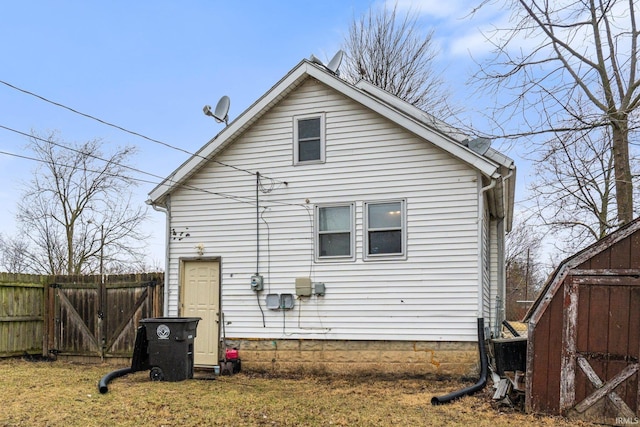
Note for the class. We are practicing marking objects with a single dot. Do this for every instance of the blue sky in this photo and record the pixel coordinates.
(150, 67)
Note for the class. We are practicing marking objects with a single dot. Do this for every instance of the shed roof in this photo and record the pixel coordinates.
(556, 278)
(492, 164)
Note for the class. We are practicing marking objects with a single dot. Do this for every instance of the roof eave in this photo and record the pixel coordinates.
(236, 127)
(557, 276)
(487, 166)
(394, 113)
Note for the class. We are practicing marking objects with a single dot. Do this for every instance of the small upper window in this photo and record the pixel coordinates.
(385, 232)
(309, 139)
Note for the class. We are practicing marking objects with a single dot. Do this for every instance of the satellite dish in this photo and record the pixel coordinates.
(221, 113)
(333, 65)
(480, 145)
(335, 62)
(315, 60)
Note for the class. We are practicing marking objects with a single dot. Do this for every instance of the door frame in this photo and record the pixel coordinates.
(181, 283)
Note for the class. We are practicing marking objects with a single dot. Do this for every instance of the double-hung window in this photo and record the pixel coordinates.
(334, 232)
(308, 144)
(385, 230)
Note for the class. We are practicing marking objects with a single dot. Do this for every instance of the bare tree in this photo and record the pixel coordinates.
(393, 53)
(525, 272)
(77, 212)
(574, 188)
(554, 55)
(14, 255)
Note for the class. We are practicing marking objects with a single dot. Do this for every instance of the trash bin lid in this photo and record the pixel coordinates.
(170, 319)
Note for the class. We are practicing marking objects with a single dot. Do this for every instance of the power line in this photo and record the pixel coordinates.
(89, 116)
(190, 187)
(223, 195)
(49, 141)
(20, 156)
(57, 104)
(240, 199)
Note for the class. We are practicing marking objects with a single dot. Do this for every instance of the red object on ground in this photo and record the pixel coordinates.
(231, 354)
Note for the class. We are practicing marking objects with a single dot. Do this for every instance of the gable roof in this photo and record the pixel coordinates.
(378, 100)
(562, 271)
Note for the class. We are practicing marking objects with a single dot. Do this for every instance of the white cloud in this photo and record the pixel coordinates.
(434, 8)
(472, 43)
(460, 26)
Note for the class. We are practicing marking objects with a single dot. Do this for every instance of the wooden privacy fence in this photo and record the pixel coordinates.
(21, 314)
(76, 316)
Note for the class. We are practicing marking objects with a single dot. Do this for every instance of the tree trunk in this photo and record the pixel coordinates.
(622, 168)
(70, 265)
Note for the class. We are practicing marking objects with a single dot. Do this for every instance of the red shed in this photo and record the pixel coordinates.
(584, 334)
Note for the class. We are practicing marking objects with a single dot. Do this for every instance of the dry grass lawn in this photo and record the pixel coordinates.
(65, 394)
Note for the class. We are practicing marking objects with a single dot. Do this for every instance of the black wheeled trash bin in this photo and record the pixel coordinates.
(170, 347)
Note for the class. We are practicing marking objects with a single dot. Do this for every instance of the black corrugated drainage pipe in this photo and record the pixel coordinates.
(102, 385)
(139, 360)
(482, 381)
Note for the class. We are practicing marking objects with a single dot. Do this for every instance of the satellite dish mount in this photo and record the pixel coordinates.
(221, 113)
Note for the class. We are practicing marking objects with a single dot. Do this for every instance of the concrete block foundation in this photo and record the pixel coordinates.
(357, 357)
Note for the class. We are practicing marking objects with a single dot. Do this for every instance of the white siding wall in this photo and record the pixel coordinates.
(432, 295)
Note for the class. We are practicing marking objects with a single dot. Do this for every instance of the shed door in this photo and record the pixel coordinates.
(201, 298)
(601, 348)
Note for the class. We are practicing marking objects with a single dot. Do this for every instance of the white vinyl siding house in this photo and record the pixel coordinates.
(425, 279)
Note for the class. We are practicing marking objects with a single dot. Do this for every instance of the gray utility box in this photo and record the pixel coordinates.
(170, 347)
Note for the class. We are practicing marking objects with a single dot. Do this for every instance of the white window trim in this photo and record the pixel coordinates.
(365, 225)
(316, 234)
(322, 138)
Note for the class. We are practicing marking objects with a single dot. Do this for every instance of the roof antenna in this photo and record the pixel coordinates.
(221, 113)
(333, 65)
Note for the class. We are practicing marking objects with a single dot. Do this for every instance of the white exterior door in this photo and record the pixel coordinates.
(201, 298)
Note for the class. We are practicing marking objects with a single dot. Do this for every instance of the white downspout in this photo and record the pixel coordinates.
(502, 285)
(167, 212)
(481, 211)
(504, 179)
